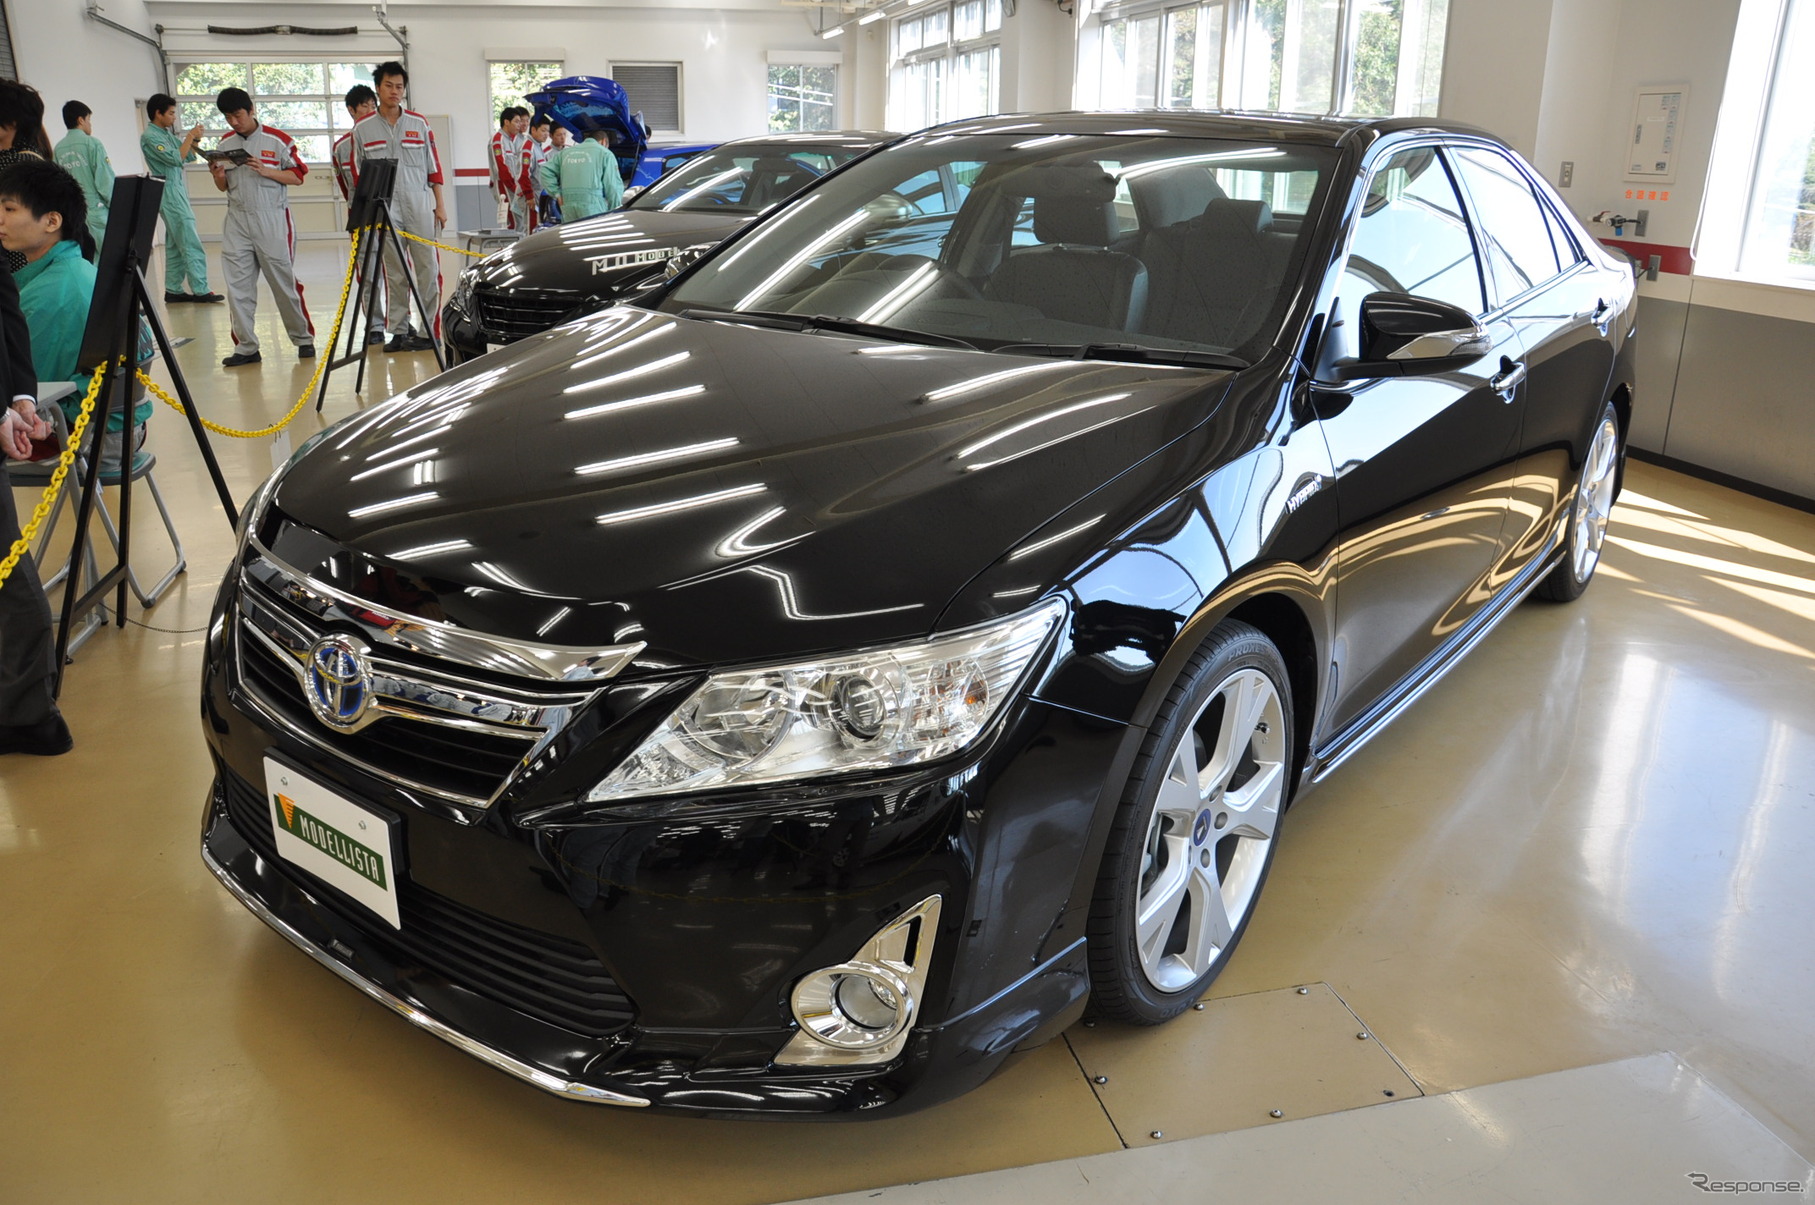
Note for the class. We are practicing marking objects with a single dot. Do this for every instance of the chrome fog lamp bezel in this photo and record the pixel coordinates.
(897, 959)
(821, 1013)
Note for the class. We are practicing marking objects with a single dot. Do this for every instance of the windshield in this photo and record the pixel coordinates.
(1063, 240)
(743, 179)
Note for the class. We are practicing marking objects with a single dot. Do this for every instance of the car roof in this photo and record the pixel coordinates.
(1210, 123)
(844, 138)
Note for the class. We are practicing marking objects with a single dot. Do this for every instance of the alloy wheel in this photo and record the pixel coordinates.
(1211, 830)
(1594, 497)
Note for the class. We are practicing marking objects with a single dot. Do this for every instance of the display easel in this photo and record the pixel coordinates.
(369, 213)
(110, 344)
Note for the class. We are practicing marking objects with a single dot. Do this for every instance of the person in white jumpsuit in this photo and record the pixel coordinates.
(400, 134)
(258, 235)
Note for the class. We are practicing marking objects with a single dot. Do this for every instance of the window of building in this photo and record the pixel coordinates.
(1758, 213)
(947, 65)
(1780, 213)
(1367, 57)
(304, 100)
(512, 82)
(802, 96)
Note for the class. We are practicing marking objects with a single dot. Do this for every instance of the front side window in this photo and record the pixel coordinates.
(1411, 237)
(1044, 247)
(1511, 223)
(745, 179)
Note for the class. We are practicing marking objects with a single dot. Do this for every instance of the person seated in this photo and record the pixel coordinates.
(43, 216)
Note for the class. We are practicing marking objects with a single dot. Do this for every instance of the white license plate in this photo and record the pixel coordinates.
(334, 839)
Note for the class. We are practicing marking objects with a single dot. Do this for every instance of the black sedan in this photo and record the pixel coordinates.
(572, 269)
(793, 692)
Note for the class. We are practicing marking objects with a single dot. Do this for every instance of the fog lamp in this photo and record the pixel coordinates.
(854, 1005)
(861, 1011)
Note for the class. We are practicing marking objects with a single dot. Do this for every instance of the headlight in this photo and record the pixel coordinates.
(874, 710)
(462, 299)
(254, 510)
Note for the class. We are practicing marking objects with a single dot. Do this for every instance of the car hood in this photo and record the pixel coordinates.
(589, 255)
(719, 491)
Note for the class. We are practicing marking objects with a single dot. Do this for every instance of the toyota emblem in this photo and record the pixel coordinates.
(336, 682)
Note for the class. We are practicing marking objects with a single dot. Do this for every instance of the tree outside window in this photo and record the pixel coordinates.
(511, 84)
(802, 97)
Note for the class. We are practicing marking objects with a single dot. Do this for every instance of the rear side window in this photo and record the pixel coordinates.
(1515, 231)
(1411, 236)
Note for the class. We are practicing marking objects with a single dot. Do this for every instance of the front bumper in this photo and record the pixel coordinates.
(677, 938)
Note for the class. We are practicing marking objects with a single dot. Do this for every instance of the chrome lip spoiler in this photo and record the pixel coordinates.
(414, 1015)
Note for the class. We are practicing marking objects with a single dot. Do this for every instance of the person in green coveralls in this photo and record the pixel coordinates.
(83, 157)
(165, 151)
(586, 178)
(44, 218)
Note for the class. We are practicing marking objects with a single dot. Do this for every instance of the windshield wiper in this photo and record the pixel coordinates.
(1132, 353)
(828, 322)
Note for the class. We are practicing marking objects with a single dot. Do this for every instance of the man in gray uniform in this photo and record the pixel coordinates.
(397, 133)
(259, 235)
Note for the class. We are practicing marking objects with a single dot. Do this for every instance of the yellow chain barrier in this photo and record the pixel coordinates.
(321, 364)
(23, 544)
(429, 242)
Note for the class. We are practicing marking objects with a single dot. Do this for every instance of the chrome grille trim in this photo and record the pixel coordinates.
(279, 722)
(404, 691)
(568, 664)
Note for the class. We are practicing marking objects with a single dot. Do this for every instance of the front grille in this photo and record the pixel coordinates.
(506, 315)
(450, 761)
(550, 978)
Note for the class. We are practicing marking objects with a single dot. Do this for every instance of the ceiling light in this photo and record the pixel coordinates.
(872, 16)
(831, 33)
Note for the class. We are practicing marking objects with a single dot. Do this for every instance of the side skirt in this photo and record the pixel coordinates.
(1430, 671)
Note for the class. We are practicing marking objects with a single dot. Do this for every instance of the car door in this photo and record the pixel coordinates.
(1561, 309)
(1424, 463)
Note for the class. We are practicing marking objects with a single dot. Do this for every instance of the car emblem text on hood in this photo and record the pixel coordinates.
(624, 259)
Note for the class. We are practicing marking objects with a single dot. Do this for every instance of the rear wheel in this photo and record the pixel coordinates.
(1194, 837)
(1588, 512)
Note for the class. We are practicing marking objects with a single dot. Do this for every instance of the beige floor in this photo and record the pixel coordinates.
(1591, 842)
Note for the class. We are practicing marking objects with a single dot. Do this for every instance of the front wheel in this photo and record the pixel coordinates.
(1588, 513)
(1194, 836)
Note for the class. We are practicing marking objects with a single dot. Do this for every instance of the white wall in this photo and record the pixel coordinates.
(67, 56)
(1556, 77)
(1667, 42)
(1494, 67)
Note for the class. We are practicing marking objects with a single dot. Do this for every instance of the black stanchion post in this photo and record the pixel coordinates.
(110, 345)
(369, 213)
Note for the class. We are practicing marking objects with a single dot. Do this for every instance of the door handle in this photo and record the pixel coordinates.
(1602, 316)
(1508, 381)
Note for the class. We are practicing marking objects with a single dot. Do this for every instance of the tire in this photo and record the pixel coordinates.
(1194, 835)
(1586, 530)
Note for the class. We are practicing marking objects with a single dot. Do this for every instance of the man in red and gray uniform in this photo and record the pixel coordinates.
(510, 184)
(258, 235)
(362, 102)
(395, 132)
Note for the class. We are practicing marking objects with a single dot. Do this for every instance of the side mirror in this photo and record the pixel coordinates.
(1403, 335)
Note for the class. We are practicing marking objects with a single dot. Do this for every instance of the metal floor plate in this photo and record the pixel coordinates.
(1644, 1131)
(1234, 1062)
